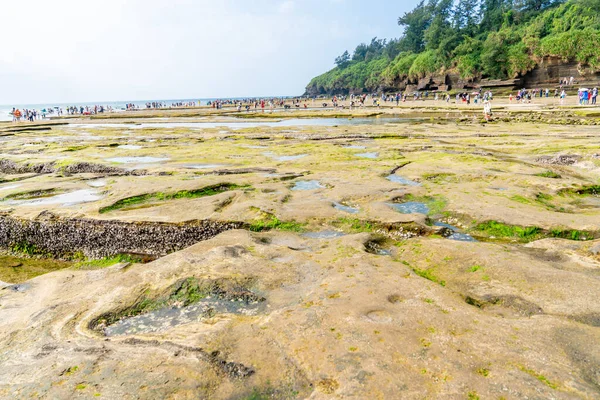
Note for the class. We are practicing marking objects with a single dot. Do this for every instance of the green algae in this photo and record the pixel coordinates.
(183, 293)
(549, 174)
(15, 269)
(429, 274)
(525, 234)
(500, 230)
(108, 261)
(592, 190)
(539, 377)
(160, 196)
(34, 194)
(268, 221)
(436, 204)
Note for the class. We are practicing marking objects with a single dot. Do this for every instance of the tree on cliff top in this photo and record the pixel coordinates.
(495, 39)
(343, 60)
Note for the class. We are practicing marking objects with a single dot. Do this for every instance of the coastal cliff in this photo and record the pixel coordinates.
(475, 44)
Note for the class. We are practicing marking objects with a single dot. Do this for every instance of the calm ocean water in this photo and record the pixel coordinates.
(116, 105)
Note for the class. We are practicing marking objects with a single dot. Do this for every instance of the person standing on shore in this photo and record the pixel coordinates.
(487, 110)
(594, 96)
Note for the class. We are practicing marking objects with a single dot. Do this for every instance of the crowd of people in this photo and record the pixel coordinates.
(87, 110)
(161, 104)
(585, 97)
(27, 115)
(526, 96)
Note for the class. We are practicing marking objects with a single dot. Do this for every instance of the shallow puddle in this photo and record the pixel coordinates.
(401, 180)
(20, 287)
(136, 160)
(457, 234)
(9, 187)
(97, 183)
(205, 166)
(328, 234)
(308, 185)
(285, 158)
(66, 199)
(166, 318)
(411, 207)
(17, 270)
(588, 202)
(242, 124)
(129, 147)
(355, 147)
(348, 209)
(371, 156)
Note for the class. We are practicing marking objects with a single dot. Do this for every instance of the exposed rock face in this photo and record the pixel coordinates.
(91, 168)
(552, 70)
(547, 74)
(310, 327)
(10, 167)
(49, 234)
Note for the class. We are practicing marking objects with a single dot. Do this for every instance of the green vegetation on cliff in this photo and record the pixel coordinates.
(497, 39)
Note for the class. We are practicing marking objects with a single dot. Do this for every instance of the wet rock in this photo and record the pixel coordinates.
(515, 303)
(22, 287)
(445, 232)
(394, 298)
(375, 246)
(234, 251)
(576, 346)
(187, 300)
(399, 167)
(232, 370)
(592, 319)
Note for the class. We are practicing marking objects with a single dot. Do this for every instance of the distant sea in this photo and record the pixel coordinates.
(116, 105)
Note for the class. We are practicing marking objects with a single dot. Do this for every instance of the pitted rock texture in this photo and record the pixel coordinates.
(60, 237)
(91, 168)
(10, 167)
(561, 159)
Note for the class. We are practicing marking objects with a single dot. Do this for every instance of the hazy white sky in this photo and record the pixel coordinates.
(101, 50)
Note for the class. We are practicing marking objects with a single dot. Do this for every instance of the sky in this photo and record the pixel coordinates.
(66, 51)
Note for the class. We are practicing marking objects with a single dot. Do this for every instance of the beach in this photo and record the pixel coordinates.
(376, 252)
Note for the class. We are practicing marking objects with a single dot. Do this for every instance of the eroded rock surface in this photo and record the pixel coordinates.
(335, 321)
(462, 262)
